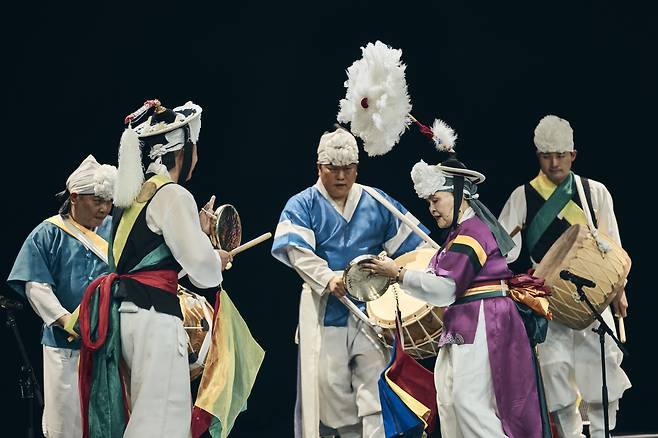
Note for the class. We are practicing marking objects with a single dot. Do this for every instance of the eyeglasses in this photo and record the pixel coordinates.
(336, 169)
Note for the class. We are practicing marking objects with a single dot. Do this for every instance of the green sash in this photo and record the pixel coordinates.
(558, 204)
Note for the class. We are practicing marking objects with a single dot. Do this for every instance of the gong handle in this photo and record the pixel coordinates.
(359, 314)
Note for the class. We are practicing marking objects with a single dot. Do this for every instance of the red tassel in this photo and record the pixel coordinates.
(425, 130)
(148, 104)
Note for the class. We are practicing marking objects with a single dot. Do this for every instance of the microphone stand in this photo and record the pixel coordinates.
(27, 381)
(601, 330)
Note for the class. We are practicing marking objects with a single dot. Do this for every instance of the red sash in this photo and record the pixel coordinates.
(166, 280)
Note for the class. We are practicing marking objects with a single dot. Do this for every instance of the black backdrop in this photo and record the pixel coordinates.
(269, 76)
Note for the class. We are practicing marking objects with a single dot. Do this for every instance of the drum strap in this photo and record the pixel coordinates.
(588, 197)
(604, 247)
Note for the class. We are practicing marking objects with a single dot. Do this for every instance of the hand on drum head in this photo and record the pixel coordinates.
(384, 266)
(337, 287)
(226, 258)
(207, 216)
(620, 304)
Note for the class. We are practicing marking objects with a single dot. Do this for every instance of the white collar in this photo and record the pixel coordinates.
(158, 169)
(353, 198)
(468, 213)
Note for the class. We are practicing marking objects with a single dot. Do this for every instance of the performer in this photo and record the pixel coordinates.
(485, 377)
(536, 214)
(321, 229)
(156, 233)
(54, 266)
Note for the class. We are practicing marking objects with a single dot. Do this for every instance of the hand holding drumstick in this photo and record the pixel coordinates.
(620, 306)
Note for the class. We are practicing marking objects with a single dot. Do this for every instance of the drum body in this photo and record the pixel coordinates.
(577, 251)
(198, 317)
(421, 322)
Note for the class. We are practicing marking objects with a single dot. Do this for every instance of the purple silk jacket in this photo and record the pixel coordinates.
(471, 256)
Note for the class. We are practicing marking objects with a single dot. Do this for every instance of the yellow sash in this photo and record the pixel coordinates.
(149, 188)
(571, 212)
(94, 238)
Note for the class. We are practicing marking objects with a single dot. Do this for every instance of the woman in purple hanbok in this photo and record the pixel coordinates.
(485, 374)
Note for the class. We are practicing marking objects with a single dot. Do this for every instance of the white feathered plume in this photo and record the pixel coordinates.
(130, 175)
(376, 103)
(443, 136)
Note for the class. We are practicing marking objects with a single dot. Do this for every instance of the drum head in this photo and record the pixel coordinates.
(361, 285)
(382, 310)
(228, 228)
(198, 317)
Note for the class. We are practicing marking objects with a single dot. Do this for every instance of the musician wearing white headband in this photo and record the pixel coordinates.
(536, 215)
(58, 260)
(156, 237)
(321, 229)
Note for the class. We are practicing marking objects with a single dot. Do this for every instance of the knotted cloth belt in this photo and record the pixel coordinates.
(483, 291)
(106, 382)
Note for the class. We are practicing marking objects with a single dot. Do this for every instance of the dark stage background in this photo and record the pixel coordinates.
(269, 76)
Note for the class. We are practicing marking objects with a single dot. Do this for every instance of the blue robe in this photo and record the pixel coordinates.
(50, 255)
(311, 222)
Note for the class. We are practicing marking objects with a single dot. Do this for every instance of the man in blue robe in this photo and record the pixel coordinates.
(59, 258)
(320, 231)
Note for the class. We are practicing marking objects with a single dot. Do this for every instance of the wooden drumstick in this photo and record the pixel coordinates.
(252, 242)
(622, 329)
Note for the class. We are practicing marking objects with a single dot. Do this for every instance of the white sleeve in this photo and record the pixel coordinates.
(44, 302)
(429, 287)
(313, 269)
(173, 213)
(513, 218)
(604, 211)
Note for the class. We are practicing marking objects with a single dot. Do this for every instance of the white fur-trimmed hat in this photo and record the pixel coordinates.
(429, 179)
(93, 178)
(338, 148)
(553, 134)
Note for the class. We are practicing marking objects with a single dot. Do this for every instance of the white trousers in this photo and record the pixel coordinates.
(351, 360)
(61, 412)
(464, 389)
(154, 346)
(571, 366)
(570, 425)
